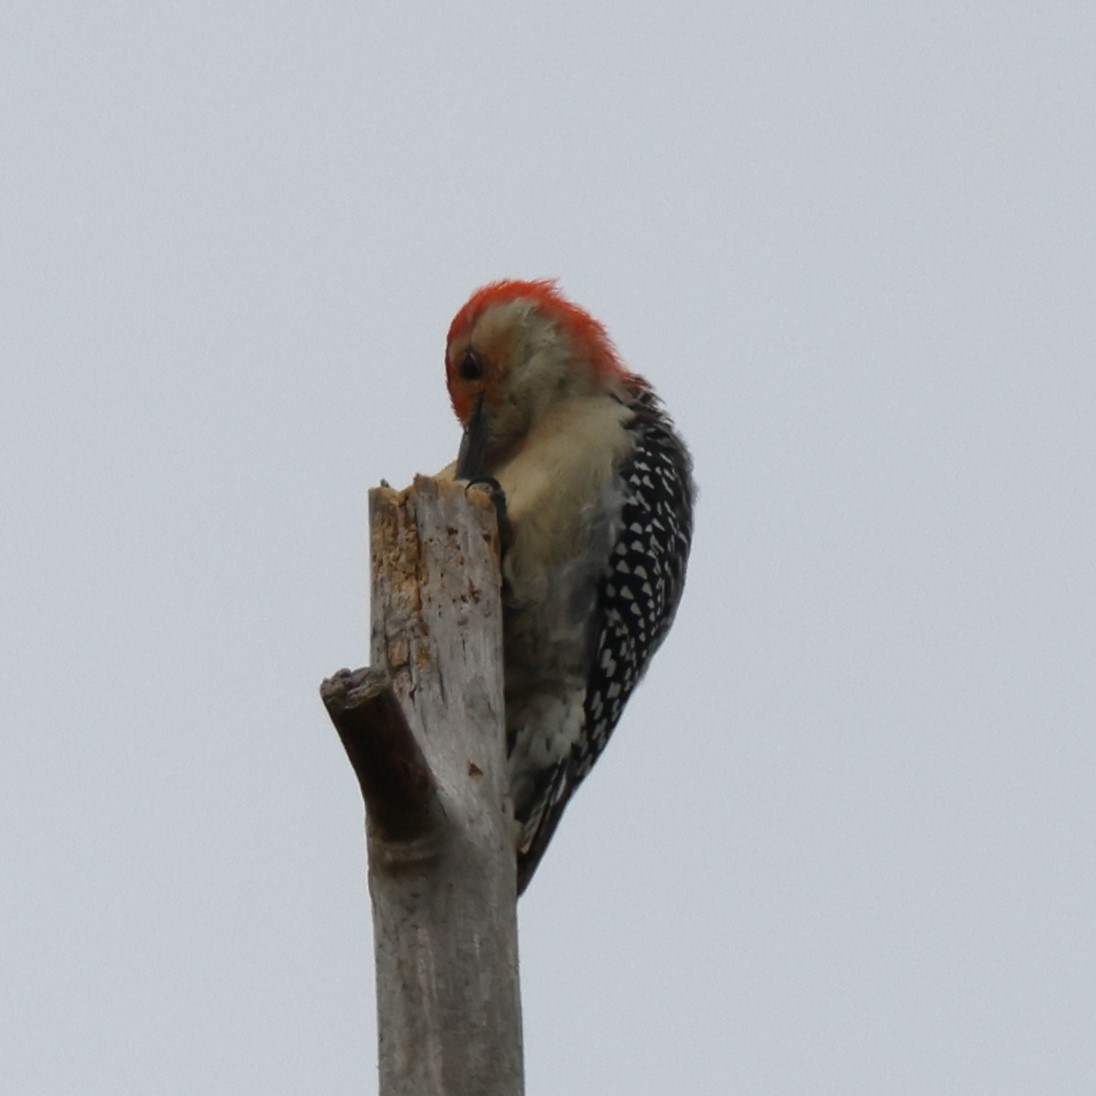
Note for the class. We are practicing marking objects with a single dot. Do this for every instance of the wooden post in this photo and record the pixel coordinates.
(424, 732)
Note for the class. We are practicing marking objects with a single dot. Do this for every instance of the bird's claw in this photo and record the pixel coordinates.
(498, 500)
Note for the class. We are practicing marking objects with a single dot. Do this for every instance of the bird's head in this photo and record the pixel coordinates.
(515, 350)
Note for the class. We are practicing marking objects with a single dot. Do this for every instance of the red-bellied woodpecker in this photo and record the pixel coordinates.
(597, 493)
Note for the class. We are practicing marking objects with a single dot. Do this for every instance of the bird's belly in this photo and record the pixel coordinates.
(544, 669)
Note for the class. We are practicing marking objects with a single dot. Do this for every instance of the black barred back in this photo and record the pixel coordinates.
(637, 598)
(640, 592)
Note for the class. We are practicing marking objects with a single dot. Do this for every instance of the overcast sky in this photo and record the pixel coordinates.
(843, 840)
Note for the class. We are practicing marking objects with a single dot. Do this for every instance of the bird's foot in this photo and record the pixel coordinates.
(498, 500)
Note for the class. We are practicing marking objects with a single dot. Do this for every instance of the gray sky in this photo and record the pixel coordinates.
(843, 839)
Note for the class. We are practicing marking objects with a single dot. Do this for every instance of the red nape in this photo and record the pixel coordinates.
(578, 323)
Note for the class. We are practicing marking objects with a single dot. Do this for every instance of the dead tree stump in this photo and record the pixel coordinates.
(424, 731)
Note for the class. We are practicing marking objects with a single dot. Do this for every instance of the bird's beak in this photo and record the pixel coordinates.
(473, 445)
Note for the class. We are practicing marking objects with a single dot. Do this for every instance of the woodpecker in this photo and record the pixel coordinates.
(595, 492)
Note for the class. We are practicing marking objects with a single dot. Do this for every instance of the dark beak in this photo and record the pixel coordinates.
(473, 445)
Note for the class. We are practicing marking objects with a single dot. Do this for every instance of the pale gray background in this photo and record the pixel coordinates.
(844, 840)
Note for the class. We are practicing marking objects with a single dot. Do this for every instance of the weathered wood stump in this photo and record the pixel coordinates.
(423, 729)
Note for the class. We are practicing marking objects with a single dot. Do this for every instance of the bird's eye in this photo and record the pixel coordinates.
(471, 366)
